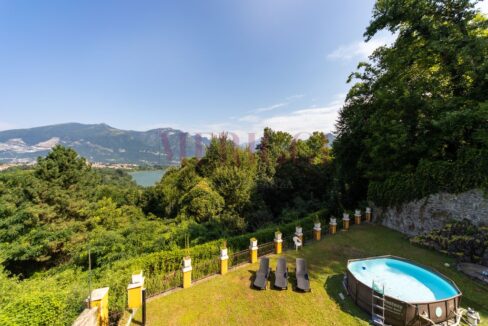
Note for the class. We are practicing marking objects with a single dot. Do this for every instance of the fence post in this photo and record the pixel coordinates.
(99, 299)
(134, 291)
(299, 233)
(368, 214)
(317, 230)
(253, 250)
(187, 272)
(224, 261)
(357, 217)
(143, 307)
(333, 225)
(278, 241)
(345, 221)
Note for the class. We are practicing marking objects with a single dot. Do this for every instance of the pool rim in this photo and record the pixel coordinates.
(430, 269)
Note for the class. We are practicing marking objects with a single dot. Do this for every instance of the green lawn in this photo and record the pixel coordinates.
(230, 299)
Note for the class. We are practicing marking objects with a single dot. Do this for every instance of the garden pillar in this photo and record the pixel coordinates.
(134, 291)
(224, 261)
(253, 250)
(99, 299)
(345, 221)
(368, 214)
(333, 225)
(317, 231)
(187, 272)
(278, 241)
(357, 217)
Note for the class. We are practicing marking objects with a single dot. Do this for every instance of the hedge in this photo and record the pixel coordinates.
(468, 171)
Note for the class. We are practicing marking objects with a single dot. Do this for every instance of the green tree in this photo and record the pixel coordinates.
(202, 202)
(419, 99)
(62, 166)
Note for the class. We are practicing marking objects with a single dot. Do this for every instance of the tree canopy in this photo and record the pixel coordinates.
(419, 106)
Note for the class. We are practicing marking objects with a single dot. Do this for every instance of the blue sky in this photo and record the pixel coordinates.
(196, 65)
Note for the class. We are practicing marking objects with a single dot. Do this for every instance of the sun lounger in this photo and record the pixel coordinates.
(301, 272)
(281, 274)
(261, 280)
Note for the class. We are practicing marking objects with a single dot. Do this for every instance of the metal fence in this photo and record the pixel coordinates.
(205, 268)
(159, 283)
(265, 249)
(238, 258)
(288, 243)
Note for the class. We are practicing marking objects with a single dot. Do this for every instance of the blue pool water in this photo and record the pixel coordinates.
(402, 280)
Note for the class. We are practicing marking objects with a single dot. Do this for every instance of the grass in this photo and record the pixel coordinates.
(230, 299)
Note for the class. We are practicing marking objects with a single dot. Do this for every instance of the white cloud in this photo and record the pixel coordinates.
(249, 118)
(359, 49)
(483, 6)
(295, 97)
(271, 107)
(305, 121)
(282, 104)
(249, 128)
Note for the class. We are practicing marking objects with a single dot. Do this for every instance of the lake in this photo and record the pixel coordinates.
(147, 178)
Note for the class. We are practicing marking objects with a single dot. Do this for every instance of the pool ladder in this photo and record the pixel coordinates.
(378, 305)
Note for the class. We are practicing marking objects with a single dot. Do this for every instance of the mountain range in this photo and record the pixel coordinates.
(102, 143)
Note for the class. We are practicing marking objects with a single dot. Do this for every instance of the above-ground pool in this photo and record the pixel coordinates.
(410, 290)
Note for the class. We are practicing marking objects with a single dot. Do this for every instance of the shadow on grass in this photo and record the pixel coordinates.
(333, 286)
(253, 277)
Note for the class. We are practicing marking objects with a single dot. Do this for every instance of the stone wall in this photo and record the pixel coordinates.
(432, 212)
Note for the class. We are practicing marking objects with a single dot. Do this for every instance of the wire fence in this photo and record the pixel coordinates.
(159, 283)
(266, 249)
(206, 267)
(238, 258)
(288, 243)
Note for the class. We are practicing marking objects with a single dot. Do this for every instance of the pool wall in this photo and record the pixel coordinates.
(401, 313)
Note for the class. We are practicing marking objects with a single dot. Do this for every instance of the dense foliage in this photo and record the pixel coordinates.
(461, 239)
(50, 216)
(416, 120)
(232, 189)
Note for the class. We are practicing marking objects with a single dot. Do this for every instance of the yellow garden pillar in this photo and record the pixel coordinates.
(357, 217)
(224, 261)
(99, 299)
(368, 214)
(333, 225)
(253, 250)
(299, 233)
(278, 241)
(187, 272)
(317, 230)
(345, 222)
(134, 291)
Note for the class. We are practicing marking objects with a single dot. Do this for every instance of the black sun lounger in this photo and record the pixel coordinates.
(261, 280)
(281, 274)
(301, 272)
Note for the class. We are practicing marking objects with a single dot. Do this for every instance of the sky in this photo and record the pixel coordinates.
(200, 66)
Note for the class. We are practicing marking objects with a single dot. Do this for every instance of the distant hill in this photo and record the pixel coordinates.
(101, 143)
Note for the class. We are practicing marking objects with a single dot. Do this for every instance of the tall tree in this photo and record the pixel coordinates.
(418, 99)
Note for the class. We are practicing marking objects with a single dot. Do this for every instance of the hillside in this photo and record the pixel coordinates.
(100, 143)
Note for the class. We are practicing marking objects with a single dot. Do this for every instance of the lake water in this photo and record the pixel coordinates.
(147, 178)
